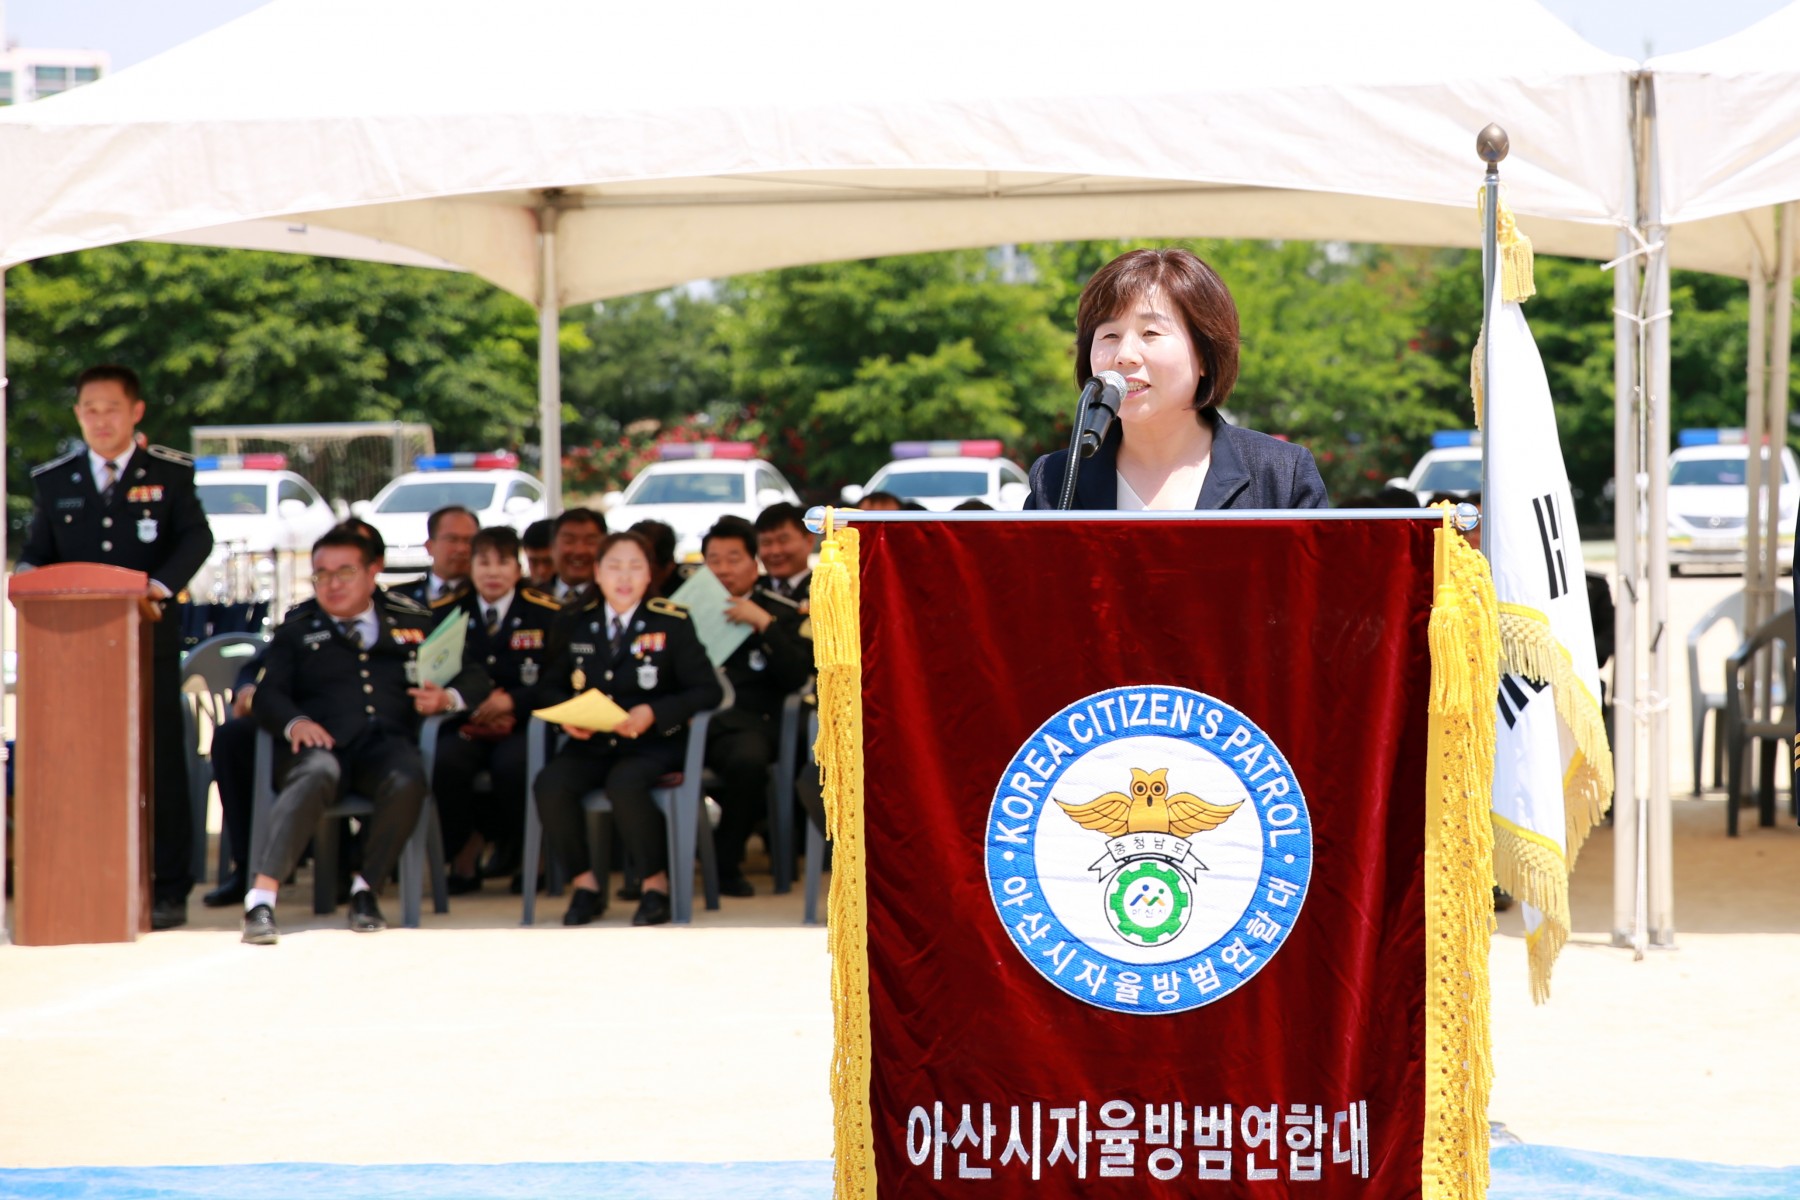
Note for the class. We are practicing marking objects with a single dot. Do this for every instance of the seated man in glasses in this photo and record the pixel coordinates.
(339, 688)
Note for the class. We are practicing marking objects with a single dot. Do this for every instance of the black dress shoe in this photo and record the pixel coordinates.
(653, 909)
(365, 914)
(168, 914)
(584, 906)
(631, 889)
(259, 927)
(230, 891)
(736, 885)
(461, 885)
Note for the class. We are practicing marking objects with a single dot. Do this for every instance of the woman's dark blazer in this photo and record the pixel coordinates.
(1248, 470)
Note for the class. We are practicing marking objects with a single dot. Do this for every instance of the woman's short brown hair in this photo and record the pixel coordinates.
(1196, 293)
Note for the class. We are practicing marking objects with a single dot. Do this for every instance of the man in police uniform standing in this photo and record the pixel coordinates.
(117, 503)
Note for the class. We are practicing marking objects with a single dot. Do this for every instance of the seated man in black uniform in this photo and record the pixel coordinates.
(643, 652)
(234, 749)
(509, 640)
(338, 688)
(449, 533)
(574, 548)
(786, 546)
(743, 741)
(540, 562)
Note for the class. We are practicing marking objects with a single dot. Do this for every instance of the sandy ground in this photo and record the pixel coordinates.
(475, 1041)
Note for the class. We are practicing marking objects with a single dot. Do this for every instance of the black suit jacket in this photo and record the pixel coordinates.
(457, 599)
(152, 523)
(518, 656)
(771, 664)
(1248, 470)
(313, 671)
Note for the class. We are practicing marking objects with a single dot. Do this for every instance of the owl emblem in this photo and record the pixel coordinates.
(1149, 808)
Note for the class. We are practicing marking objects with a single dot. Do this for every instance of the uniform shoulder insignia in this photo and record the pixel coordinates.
(306, 607)
(400, 602)
(541, 599)
(450, 598)
(659, 604)
(170, 454)
(777, 597)
(56, 462)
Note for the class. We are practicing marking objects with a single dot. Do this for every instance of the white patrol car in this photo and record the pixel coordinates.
(489, 485)
(694, 484)
(1450, 470)
(941, 475)
(256, 506)
(1709, 499)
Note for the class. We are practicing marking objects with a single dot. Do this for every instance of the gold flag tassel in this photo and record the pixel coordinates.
(1532, 867)
(837, 648)
(1518, 283)
(1464, 637)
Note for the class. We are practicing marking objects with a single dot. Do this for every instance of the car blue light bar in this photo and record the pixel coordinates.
(493, 460)
(978, 448)
(1450, 439)
(1710, 437)
(241, 462)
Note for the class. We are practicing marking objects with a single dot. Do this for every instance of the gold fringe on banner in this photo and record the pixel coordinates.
(1464, 637)
(1532, 867)
(837, 649)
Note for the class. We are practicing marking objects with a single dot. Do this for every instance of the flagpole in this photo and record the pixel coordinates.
(1491, 144)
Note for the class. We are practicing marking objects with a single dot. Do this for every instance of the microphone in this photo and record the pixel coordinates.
(1099, 406)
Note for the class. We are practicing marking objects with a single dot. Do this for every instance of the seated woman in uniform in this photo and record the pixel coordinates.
(1165, 321)
(642, 652)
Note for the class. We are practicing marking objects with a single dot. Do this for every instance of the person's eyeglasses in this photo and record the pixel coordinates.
(341, 575)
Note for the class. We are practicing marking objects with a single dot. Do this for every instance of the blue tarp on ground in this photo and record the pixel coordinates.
(1520, 1173)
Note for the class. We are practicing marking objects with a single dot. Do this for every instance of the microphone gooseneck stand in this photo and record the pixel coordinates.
(1072, 468)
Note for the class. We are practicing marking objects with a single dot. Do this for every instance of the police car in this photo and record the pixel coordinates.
(692, 485)
(1450, 470)
(941, 475)
(255, 506)
(489, 485)
(1709, 499)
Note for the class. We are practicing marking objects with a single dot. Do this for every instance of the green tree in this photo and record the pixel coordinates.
(654, 356)
(237, 337)
(837, 361)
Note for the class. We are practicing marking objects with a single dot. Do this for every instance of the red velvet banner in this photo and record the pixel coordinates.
(1145, 828)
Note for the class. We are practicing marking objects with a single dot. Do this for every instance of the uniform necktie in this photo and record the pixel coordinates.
(112, 477)
(618, 634)
(493, 620)
(353, 632)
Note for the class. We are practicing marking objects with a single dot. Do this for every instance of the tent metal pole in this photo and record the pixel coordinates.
(1776, 414)
(1757, 598)
(549, 355)
(1661, 906)
(6, 727)
(1625, 600)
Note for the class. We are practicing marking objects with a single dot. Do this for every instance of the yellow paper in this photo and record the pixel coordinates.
(593, 709)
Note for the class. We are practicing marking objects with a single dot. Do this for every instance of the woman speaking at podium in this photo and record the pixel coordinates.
(1165, 321)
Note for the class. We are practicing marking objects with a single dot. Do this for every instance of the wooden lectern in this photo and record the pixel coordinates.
(82, 779)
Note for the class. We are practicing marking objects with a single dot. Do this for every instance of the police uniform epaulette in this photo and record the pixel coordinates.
(659, 604)
(55, 463)
(306, 607)
(541, 599)
(450, 598)
(402, 603)
(170, 454)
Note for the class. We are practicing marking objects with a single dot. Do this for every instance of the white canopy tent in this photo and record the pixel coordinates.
(569, 150)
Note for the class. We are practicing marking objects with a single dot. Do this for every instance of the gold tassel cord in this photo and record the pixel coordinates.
(837, 647)
(1459, 869)
(1530, 866)
(1518, 283)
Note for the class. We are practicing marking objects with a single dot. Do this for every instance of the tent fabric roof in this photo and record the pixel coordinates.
(694, 137)
(1728, 118)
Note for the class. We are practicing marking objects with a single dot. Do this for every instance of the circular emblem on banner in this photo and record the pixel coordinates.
(1148, 849)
